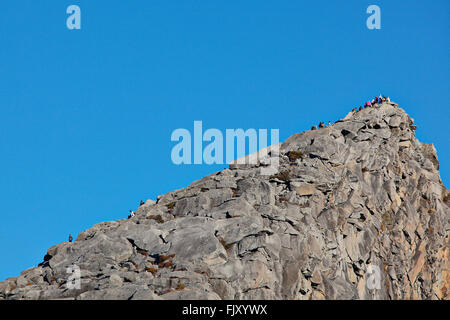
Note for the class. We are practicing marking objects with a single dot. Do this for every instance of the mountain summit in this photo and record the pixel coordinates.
(357, 210)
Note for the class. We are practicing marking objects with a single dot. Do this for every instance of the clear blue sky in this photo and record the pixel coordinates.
(86, 115)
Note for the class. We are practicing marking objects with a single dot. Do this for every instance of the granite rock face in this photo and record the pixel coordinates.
(356, 211)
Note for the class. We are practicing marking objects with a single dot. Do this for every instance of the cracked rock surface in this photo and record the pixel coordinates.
(357, 210)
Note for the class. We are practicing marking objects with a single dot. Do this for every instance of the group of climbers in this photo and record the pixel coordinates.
(375, 102)
(321, 125)
(132, 213)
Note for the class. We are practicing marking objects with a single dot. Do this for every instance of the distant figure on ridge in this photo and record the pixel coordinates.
(321, 124)
(360, 108)
(354, 110)
(70, 238)
(388, 99)
(132, 214)
(313, 128)
(142, 202)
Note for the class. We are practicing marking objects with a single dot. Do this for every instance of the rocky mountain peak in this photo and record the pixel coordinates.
(357, 210)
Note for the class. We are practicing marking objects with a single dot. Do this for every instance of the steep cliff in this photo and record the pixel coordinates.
(356, 211)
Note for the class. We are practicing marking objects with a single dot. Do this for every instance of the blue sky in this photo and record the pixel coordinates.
(86, 115)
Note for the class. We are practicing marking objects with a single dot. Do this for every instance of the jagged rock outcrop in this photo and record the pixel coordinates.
(355, 196)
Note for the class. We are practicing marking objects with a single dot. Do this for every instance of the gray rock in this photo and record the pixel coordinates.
(364, 195)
